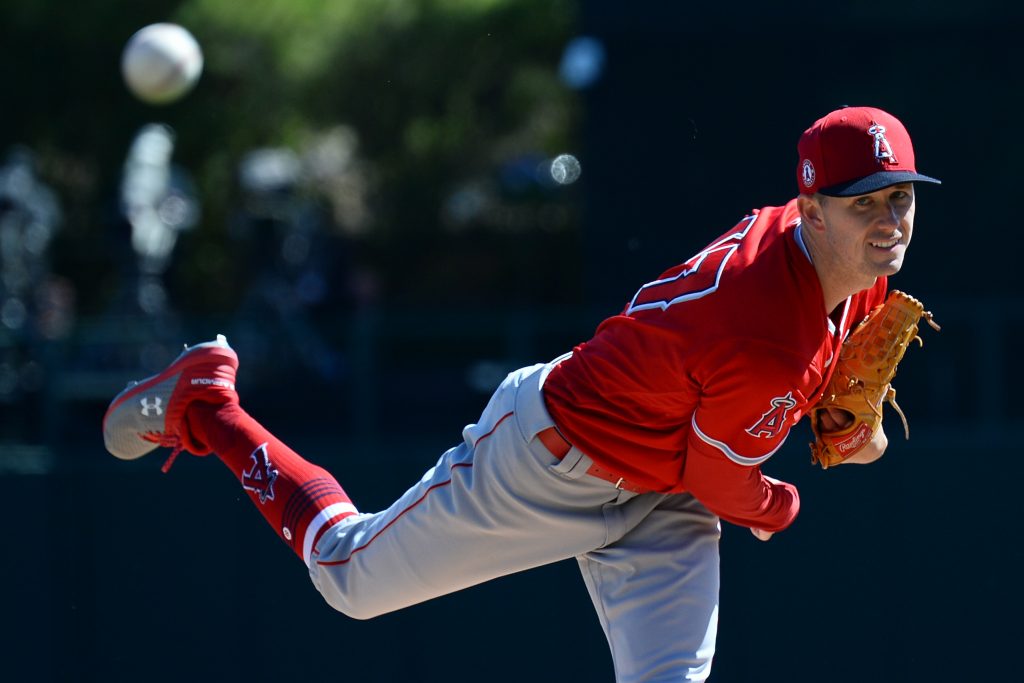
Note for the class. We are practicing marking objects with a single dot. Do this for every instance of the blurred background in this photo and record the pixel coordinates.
(357, 194)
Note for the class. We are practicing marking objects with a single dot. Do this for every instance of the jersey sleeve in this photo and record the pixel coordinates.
(747, 407)
(737, 493)
(749, 401)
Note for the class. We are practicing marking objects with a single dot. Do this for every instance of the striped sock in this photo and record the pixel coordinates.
(297, 498)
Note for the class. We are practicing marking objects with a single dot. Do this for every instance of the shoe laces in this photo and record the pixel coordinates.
(172, 441)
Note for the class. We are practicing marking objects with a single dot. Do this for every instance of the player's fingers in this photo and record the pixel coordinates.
(761, 534)
(834, 419)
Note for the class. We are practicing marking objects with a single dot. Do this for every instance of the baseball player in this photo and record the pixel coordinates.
(624, 453)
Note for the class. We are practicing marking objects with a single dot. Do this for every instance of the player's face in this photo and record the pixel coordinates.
(868, 234)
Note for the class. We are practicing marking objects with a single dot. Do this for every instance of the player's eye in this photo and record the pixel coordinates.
(863, 201)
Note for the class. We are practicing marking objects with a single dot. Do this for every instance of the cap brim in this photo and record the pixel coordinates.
(875, 182)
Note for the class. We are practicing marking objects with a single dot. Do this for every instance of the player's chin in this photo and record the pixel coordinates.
(888, 263)
(891, 268)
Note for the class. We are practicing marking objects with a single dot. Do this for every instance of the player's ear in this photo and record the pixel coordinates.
(812, 213)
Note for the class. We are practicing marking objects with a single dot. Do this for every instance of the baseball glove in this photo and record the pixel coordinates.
(860, 384)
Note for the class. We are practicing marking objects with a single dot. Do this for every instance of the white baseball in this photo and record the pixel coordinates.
(161, 62)
(565, 169)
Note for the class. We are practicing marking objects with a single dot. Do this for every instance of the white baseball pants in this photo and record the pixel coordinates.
(500, 503)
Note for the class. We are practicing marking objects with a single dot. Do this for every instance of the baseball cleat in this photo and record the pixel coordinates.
(151, 412)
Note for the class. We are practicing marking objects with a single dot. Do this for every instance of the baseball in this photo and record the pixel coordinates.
(565, 169)
(161, 62)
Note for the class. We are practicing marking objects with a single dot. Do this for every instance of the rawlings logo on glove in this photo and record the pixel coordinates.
(860, 384)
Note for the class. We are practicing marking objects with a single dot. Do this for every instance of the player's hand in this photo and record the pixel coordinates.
(834, 419)
(761, 534)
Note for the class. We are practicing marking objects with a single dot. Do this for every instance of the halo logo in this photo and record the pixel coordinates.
(773, 421)
(883, 150)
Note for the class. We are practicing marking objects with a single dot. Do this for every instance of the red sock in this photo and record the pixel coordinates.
(299, 499)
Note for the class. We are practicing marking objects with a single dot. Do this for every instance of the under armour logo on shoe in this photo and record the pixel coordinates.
(154, 405)
(261, 476)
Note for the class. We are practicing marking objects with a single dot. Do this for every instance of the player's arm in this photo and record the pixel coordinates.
(737, 493)
(746, 409)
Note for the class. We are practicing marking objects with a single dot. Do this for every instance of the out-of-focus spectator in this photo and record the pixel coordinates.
(35, 306)
(158, 202)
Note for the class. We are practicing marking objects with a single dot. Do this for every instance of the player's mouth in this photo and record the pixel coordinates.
(886, 244)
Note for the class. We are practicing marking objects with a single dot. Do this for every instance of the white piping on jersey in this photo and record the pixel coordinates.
(798, 235)
(846, 312)
(663, 304)
(317, 523)
(832, 330)
(730, 453)
(832, 333)
(698, 259)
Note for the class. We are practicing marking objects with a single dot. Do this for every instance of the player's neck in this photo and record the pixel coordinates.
(837, 281)
(833, 296)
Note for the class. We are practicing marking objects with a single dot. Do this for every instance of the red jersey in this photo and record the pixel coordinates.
(699, 380)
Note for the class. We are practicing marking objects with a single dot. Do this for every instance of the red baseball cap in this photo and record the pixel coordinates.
(856, 150)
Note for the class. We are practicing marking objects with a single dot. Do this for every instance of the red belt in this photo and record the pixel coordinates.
(559, 447)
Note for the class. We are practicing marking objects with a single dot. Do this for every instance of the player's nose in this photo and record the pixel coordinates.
(892, 214)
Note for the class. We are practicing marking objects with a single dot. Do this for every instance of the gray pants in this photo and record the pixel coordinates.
(500, 503)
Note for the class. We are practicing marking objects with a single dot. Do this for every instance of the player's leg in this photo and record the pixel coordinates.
(656, 593)
(192, 406)
(299, 499)
(496, 504)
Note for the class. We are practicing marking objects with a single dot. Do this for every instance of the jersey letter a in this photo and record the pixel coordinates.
(772, 422)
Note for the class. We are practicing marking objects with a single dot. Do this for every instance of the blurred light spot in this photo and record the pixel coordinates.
(582, 62)
(269, 170)
(177, 212)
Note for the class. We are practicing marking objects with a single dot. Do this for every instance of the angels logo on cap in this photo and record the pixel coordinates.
(883, 152)
(856, 150)
(807, 172)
